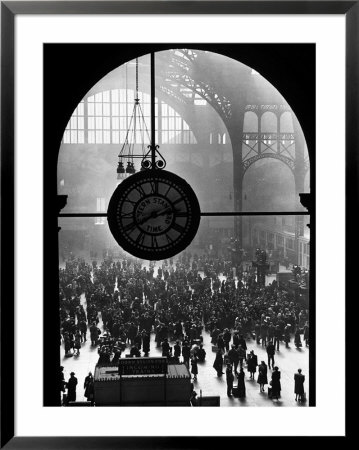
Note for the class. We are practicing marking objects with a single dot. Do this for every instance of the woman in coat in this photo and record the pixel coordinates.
(77, 345)
(297, 340)
(229, 380)
(194, 367)
(241, 384)
(68, 343)
(287, 335)
(220, 343)
(262, 376)
(71, 388)
(89, 388)
(299, 379)
(276, 386)
(252, 363)
(218, 363)
(145, 343)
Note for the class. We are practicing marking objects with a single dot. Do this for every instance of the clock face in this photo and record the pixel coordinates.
(153, 214)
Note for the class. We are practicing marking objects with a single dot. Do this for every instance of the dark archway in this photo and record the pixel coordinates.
(70, 71)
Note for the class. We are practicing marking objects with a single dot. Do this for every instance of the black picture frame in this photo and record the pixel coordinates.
(9, 10)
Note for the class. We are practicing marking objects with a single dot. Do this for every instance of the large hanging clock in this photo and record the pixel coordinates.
(154, 214)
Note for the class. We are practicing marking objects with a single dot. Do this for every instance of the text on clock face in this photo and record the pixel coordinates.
(153, 213)
(148, 203)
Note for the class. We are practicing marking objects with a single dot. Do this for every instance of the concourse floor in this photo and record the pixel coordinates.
(288, 361)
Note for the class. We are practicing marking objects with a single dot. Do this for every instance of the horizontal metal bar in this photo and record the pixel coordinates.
(207, 214)
(131, 156)
(257, 213)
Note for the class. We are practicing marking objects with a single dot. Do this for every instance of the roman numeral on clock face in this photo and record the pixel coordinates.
(177, 201)
(154, 242)
(177, 227)
(154, 186)
(128, 228)
(169, 239)
(126, 215)
(140, 190)
(127, 200)
(169, 188)
(140, 238)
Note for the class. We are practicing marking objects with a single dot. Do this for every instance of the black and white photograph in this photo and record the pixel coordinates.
(184, 235)
(179, 185)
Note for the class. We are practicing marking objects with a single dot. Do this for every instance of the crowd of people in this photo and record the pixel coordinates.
(176, 302)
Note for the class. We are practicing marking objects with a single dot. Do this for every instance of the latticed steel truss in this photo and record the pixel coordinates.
(178, 80)
(279, 146)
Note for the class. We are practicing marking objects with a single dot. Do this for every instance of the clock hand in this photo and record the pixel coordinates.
(176, 212)
(144, 219)
(129, 227)
(153, 215)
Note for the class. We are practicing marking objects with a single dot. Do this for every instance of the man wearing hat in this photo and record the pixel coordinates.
(71, 388)
(177, 350)
(270, 352)
(287, 334)
(252, 363)
(165, 347)
(233, 357)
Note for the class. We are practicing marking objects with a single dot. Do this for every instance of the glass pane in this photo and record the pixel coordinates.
(80, 109)
(91, 109)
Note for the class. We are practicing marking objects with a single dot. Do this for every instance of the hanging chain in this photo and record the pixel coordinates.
(136, 99)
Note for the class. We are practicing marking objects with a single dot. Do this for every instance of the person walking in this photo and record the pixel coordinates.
(218, 363)
(89, 388)
(252, 363)
(177, 350)
(93, 334)
(186, 353)
(287, 335)
(77, 344)
(146, 339)
(264, 333)
(201, 353)
(241, 354)
(297, 340)
(276, 386)
(227, 338)
(71, 388)
(83, 330)
(277, 337)
(262, 376)
(270, 353)
(194, 367)
(229, 380)
(165, 347)
(220, 343)
(233, 357)
(241, 383)
(257, 331)
(243, 344)
(299, 379)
